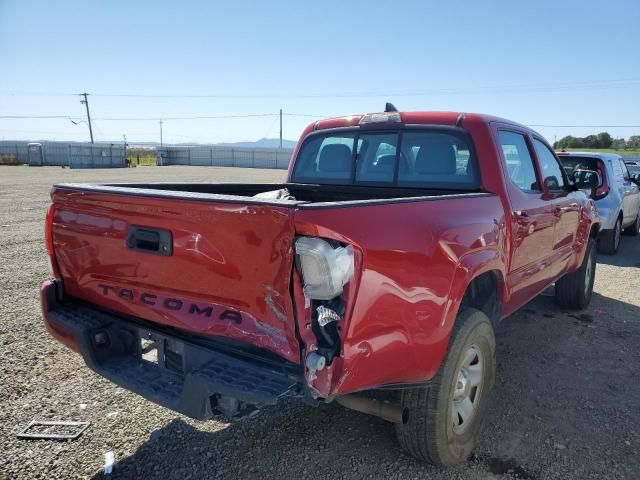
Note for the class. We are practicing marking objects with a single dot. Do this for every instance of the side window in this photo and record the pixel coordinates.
(549, 166)
(625, 170)
(617, 171)
(519, 162)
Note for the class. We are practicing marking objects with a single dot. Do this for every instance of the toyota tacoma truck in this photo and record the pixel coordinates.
(373, 277)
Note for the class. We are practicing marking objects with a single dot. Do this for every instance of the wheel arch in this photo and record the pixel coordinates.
(479, 282)
(484, 293)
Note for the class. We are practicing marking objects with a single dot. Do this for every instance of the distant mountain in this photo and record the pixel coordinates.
(262, 143)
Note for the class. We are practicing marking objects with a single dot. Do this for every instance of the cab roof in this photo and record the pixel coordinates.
(416, 118)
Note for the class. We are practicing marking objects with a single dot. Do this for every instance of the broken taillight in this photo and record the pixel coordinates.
(48, 240)
(325, 269)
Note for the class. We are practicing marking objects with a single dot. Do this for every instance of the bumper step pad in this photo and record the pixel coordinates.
(208, 382)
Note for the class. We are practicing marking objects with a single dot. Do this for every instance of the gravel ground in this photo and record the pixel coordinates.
(566, 402)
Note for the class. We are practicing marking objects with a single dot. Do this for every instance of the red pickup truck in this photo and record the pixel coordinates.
(374, 276)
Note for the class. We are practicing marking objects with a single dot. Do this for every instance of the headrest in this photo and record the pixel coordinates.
(437, 158)
(335, 158)
(386, 164)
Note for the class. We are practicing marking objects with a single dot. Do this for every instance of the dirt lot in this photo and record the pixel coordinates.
(566, 402)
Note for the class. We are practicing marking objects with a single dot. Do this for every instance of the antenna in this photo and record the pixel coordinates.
(390, 107)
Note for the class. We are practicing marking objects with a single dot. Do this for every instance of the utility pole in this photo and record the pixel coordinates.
(124, 137)
(280, 128)
(86, 104)
(160, 122)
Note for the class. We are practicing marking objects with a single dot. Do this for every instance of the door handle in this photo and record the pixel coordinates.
(150, 240)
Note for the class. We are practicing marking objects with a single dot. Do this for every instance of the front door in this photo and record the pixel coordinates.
(566, 208)
(532, 218)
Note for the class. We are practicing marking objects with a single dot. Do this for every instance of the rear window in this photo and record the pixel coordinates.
(413, 158)
(578, 163)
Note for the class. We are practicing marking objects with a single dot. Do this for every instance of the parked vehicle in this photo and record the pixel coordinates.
(617, 195)
(634, 170)
(373, 277)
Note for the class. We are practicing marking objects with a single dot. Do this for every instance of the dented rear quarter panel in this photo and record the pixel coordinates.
(414, 260)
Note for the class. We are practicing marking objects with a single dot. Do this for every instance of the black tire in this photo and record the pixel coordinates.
(634, 229)
(574, 290)
(610, 239)
(429, 433)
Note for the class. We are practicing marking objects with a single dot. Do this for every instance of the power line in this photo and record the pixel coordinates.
(155, 119)
(66, 117)
(190, 117)
(275, 115)
(581, 85)
(487, 89)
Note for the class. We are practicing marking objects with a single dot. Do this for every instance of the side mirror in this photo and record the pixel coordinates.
(587, 181)
(636, 178)
(551, 183)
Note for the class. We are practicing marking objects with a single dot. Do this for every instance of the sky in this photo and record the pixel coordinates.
(556, 65)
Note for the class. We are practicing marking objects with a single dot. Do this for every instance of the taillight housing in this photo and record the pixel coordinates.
(48, 240)
(603, 188)
(325, 268)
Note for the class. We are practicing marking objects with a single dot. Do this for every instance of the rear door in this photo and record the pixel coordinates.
(532, 219)
(225, 271)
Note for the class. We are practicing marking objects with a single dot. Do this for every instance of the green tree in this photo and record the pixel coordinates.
(633, 142)
(601, 140)
(575, 142)
(591, 141)
(604, 139)
(568, 142)
(619, 144)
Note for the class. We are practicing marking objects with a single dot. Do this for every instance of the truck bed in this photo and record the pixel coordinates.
(303, 193)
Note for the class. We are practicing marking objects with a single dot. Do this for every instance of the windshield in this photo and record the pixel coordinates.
(433, 158)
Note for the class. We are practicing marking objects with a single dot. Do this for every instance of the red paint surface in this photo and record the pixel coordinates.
(226, 256)
(414, 261)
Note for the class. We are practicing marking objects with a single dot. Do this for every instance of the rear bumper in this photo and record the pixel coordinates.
(195, 380)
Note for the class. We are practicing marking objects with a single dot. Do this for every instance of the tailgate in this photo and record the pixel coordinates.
(206, 266)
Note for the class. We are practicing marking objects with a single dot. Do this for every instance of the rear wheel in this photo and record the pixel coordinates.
(575, 289)
(446, 416)
(610, 239)
(634, 229)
